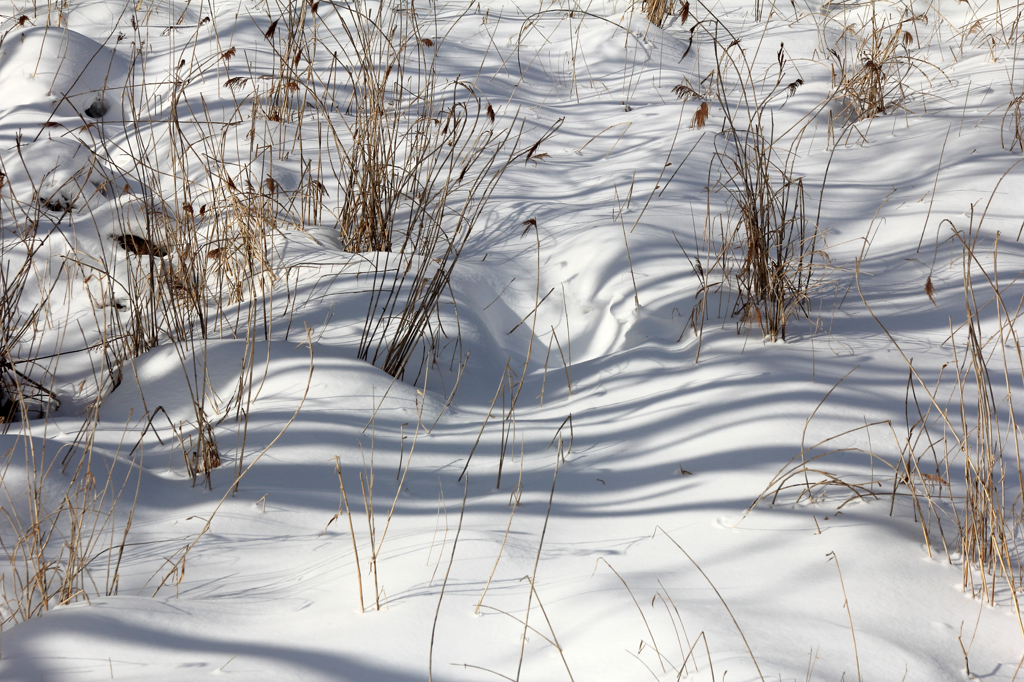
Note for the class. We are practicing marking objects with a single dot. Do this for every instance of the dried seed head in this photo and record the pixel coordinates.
(684, 91)
(228, 54)
(269, 35)
(532, 150)
(684, 13)
(490, 113)
(700, 117)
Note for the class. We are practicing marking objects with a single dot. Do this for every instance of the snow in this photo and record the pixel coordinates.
(574, 433)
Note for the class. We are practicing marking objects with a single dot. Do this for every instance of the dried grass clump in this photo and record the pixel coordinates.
(1011, 133)
(58, 520)
(408, 285)
(983, 428)
(658, 10)
(964, 420)
(419, 160)
(778, 244)
(21, 395)
(765, 252)
(871, 71)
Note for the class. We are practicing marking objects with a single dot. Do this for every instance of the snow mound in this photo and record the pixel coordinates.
(63, 72)
(61, 174)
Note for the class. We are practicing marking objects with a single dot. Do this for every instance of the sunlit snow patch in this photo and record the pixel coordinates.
(61, 71)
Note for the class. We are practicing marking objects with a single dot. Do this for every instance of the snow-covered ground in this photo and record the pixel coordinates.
(587, 478)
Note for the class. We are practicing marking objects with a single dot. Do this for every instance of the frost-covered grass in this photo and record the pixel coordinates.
(382, 341)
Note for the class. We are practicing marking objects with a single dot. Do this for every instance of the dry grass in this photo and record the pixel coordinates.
(977, 430)
(986, 429)
(21, 395)
(765, 251)
(1012, 130)
(872, 67)
(413, 161)
(964, 419)
(63, 526)
(657, 11)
